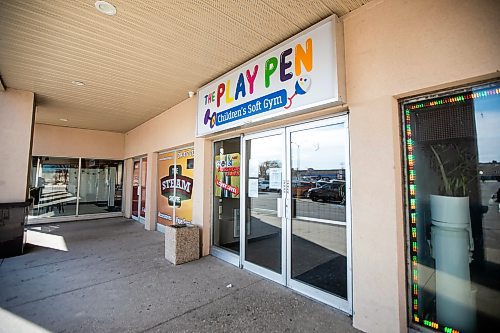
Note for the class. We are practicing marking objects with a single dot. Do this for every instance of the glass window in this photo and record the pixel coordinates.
(135, 189)
(166, 174)
(453, 209)
(144, 171)
(100, 186)
(226, 219)
(54, 185)
(55, 192)
(263, 221)
(319, 229)
(184, 185)
(175, 174)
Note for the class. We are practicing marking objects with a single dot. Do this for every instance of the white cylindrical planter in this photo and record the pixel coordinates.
(451, 246)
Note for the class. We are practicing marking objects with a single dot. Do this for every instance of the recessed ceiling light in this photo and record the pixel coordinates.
(78, 83)
(63, 119)
(105, 8)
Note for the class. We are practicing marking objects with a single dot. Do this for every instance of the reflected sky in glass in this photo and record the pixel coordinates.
(319, 148)
(487, 114)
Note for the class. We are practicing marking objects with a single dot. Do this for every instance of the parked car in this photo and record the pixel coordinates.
(263, 185)
(331, 192)
(300, 189)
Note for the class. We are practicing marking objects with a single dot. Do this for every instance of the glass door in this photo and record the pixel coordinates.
(139, 190)
(318, 224)
(263, 251)
(144, 164)
(296, 217)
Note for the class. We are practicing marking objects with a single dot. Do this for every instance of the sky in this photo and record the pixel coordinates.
(487, 114)
(322, 148)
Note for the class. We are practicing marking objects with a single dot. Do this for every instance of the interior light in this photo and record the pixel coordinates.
(105, 8)
(63, 119)
(78, 83)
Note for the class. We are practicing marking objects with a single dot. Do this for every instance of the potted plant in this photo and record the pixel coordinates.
(456, 166)
(451, 235)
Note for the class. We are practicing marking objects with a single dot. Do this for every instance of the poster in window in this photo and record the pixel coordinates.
(166, 168)
(227, 176)
(184, 186)
(275, 178)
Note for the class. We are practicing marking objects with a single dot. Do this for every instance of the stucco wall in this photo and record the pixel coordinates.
(397, 47)
(173, 128)
(16, 118)
(74, 142)
(392, 48)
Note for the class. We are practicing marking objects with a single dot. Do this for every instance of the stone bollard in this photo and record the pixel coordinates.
(182, 243)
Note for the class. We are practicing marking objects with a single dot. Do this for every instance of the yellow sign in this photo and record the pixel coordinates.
(175, 173)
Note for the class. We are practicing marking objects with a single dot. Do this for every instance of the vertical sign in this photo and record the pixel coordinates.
(166, 165)
(184, 186)
(227, 176)
(176, 172)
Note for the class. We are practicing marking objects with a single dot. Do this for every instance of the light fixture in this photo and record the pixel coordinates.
(78, 83)
(105, 8)
(190, 94)
(63, 119)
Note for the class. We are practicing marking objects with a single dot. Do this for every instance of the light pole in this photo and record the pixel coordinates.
(298, 154)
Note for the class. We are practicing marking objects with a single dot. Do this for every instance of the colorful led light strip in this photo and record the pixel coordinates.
(454, 99)
(410, 158)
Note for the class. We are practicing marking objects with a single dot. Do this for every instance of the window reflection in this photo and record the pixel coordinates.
(144, 166)
(135, 189)
(226, 201)
(263, 243)
(55, 192)
(100, 186)
(318, 173)
(54, 184)
(319, 244)
(454, 219)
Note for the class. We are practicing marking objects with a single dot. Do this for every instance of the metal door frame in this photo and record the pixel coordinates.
(138, 218)
(279, 278)
(322, 296)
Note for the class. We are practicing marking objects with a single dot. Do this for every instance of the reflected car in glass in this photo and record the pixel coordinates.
(331, 192)
(263, 185)
(300, 189)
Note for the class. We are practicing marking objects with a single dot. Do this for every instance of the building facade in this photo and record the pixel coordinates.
(322, 199)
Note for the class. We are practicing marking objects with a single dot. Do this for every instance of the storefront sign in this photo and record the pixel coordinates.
(298, 74)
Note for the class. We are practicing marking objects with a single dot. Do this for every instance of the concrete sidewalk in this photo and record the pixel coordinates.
(114, 278)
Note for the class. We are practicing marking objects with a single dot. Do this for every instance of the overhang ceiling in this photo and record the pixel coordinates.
(144, 60)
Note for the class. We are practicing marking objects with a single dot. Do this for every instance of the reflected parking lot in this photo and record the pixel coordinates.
(304, 207)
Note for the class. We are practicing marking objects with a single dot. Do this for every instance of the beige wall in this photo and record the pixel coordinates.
(16, 118)
(393, 48)
(397, 47)
(173, 128)
(202, 195)
(74, 142)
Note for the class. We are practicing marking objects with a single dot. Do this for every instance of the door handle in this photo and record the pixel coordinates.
(279, 209)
